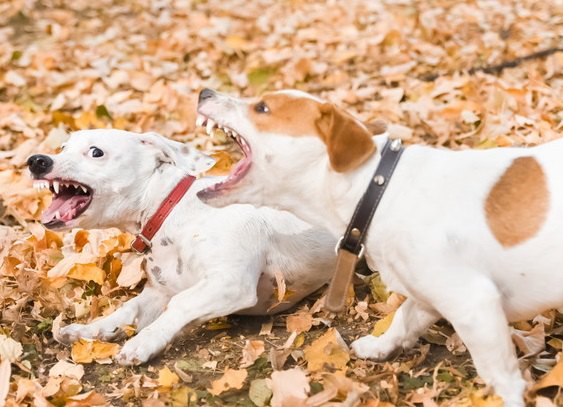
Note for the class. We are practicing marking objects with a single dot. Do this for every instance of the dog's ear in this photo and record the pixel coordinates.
(348, 141)
(378, 126)
(181, 155)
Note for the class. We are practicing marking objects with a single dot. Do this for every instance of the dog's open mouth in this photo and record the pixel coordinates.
(70, 200)
(239, 170)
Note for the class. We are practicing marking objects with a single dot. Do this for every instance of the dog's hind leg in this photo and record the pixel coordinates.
(410, 321)
(140, 311)
(475, 310)
(217, 295)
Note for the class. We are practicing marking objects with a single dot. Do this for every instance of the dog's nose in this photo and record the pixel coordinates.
(205, 94)
(39, 164)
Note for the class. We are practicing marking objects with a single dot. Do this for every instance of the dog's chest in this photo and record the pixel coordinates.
(167, 267)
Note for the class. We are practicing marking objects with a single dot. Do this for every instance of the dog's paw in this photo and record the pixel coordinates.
(372, 347)
(140, 349)
(73, 332)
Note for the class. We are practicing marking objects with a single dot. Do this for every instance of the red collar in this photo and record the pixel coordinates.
(142, 242)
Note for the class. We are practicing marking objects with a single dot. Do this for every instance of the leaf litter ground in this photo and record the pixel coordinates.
(138, 65)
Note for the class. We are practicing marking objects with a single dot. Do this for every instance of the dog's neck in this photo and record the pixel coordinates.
(331, 200)
(163, 181)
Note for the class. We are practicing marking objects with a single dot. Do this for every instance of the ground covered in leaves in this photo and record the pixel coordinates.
(138, 65)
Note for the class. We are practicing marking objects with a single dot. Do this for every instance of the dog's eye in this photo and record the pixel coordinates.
(95, 152)
(261, 107)
(61, 148)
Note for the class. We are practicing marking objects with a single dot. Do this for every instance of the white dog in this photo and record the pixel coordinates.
(204, 263)
(471, 236)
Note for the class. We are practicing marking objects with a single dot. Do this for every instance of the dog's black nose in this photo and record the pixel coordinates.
(205, 94)
(39, 164)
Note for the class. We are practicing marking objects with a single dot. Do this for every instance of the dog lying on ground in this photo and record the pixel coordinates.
(471, 236)
(204, 263)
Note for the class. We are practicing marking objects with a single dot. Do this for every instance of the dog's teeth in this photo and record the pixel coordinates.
(200, 120)
(84, 189)
(57, 215)
(56, 186)
(210, 125)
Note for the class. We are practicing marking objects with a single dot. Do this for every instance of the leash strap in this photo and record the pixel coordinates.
(142, 243)
(350, 247)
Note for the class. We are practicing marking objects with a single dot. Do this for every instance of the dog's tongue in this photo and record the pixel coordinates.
(67, 207)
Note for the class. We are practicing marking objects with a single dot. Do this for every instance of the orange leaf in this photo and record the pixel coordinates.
(87, 272)
(552, 378)
(330, 349)
(86, 351)
(231, 379)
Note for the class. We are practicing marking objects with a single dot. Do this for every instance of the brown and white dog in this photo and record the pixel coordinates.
(471, 236)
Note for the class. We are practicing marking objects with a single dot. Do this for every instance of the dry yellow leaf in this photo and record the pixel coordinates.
(383, 324)
(330, 349)
(87, 272)
(231, 379)
(87, 351)
(167, 378)
(479, 400)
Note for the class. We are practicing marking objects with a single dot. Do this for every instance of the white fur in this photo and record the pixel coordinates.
(205, 262)
(429, 238)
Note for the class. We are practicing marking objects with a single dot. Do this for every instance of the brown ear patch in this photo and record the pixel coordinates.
(517, 205)
(349, 143)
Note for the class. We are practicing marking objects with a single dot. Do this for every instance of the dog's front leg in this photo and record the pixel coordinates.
(141, 311)
(410, 321)
(210, 298)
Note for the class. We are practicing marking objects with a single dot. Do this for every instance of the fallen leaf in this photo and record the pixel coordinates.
(330, 349)
(87, 351)
(87, 272)
(67, 369)
(300, 322)
(88, 399)
(289, 388)
(231, 379)
(530, 342)
(383, 324)
(131, 271)
(259, 392)
(5, 374)
(251, 351)
(10, 349)
(167, 378)
(552, 378)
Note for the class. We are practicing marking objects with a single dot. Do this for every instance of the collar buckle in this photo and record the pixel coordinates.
(141, 244)
(338, 247)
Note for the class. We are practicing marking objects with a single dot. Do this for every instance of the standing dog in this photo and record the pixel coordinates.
(205, 262)
(471, 236)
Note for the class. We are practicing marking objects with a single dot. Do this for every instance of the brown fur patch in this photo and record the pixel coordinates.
(517, 205)
(293, 116)
(348, 141)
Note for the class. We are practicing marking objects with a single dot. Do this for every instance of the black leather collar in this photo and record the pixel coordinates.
(350, 247)
(355, 234)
